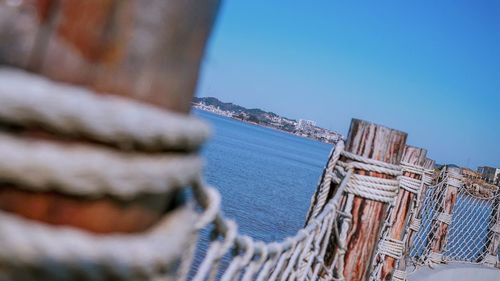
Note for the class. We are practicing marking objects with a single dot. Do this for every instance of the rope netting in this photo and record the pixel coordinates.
(451, 221)
(300, 257)
(470, 217)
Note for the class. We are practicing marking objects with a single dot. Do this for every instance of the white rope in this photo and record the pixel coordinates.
(96, 170)
(29, 243)
(454, 179)
(31, 99)
(319, 199)
(371, 165)
(491, 260)
(444, 218)
(428, 177)
(496, 228)
(92, 170)
(399, 275)
(409, 183)
(391, 247)
(435, 257)
(469, 236)
(300, 256)
(378, 189)
(415, 224)
(411, 180)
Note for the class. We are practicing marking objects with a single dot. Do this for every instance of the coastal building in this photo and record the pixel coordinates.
(497, 176)
(488, 173)
(305, 125)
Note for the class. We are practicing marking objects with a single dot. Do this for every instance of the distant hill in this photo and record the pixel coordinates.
(265, 118)
(257, 113)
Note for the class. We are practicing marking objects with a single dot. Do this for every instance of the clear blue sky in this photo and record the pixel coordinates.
(429, 68)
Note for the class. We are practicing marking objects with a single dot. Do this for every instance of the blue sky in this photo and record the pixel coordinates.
(429, 68)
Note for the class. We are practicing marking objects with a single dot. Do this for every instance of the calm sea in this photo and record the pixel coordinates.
(266, 177)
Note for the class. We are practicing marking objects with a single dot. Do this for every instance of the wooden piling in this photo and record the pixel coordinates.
(444, 212)
(403, 207)
(378, 143)
(149, 51)
(491, 257)
(428, 166)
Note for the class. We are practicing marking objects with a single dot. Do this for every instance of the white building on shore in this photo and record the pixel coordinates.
(305, 125)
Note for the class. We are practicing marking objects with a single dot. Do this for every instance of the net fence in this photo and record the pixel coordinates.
(458, 224)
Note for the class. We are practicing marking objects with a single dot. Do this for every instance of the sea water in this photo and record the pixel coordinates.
(266, 177)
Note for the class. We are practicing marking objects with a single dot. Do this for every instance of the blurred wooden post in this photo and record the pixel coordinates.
(403, 207)
(493, 245)
(444, 211)
(147, 50)
(379, 143)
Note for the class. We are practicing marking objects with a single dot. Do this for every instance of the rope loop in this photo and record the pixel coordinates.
(490, 259)
(496, 228)
(434, 257)
(415, 223)
(371, 165)
(399, 275)
(391, 247)
(428, 177)
(372, 188)
(27, 99)
(444, 218)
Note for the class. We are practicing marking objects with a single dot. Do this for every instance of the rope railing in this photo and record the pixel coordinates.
(299, 257)
(451, 221)
(470, 235)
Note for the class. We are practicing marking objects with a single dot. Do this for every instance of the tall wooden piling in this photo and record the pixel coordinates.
(429, 178)
(404, 206)
(444, 213)
(491, 257)
(149, 51)
(378, 143)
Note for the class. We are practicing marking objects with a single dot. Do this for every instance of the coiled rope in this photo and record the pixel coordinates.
(127, 155)
(29, 99)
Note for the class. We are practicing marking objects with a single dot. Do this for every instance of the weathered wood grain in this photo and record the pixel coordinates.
(438, 241)
(147, 50)
(405, 202)
(494, 242)
(379, 143)
(429, 164)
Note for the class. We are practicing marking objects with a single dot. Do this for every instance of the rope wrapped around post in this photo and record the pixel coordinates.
(447, 197)
(301, 257)
(295, 257)
(392, 247)
(121, 158)
(364, 206)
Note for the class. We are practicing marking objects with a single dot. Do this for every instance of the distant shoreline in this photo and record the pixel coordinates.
(262, 126)
(301, 127)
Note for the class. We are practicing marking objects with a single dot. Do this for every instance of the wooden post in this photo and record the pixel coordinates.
(430, 174)
(445, 209)
(491, 257)
(379, 143)
(429, 164)
(403, 207)
(148, 50)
